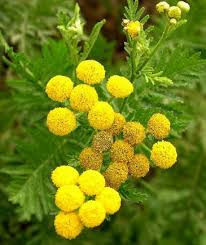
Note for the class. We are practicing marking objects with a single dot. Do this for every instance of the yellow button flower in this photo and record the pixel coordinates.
(134, 133)
(59, 88)
(159, 126)
(164, 154)
(139, 166)
(162, 7)
(119, 87)
(101, 116)
(121, 151)
(185, 7)
(69, 197)
(133, 28)
(91, 182)
(90, 72)
(118, 124)
(61, 121)
(110, 199)
(68, 225)
(175, 12)
(83, 97)
(91, 159)
(92, 213)
(102, 141)
(64, 175)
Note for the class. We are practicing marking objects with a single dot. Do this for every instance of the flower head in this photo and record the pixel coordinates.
(59, 88)
(102, 141)
(68, 225)
(91, 159)
(90, 72)
(164, 154)
(118, 124)
(121, 151)
(61, 121)
(173, 21)
(175, 12)
(69, 197)
(159, 126)
(64, 175)
(133, 28)
(110, 199)
(134, 133)
(119, 87)
(101, 116)
(91, 182)
(162, 7)
(185, 7)
(139, 166)
(92, 213)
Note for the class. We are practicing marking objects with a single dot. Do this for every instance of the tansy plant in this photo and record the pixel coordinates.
(106, 128)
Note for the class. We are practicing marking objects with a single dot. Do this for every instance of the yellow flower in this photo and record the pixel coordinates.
(102, 141)
(92, 213)
(159, 126)
(173, 21)
(119, 87)
(185, 7)
(133, 28)
(59, 88)
(64, 175)
(116, 174)
(139, 166)
(175, 12)
(61, 121)
(101, 116)
(134, 133)
(164, 154)
(90, 72)
(91, 182)
(162, 7)
(90, 159)
(110, 199)
(121, 151)
(118, 124)
(68, 225)
(69, 197)
(83, 97)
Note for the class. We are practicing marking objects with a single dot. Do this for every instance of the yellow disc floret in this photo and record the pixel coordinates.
(92, 213)
(119, 87)
(91, 159)
(185, 7)
(162, 7)
(121, 151)
(68, 225)
(64, 175)
(134, 133)
(69, 197)
(59, 88)
(133, 28)
(90, 72)
(118, 124)
(91, 182)
(116, 174)
(159, 126)
(101, 116)
(110, 199)
(83, 97)
(164, 154)
(102, 141)
(139, 166)
(61, 121)
(175, 12)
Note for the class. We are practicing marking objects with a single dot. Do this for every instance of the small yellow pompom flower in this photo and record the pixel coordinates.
(64, 175)
(175, 12)
(162, 7)
(119, 87)
(139, 166)
(164, 154)
(101, 116)
(185, 7)
(61, 121)
(83, 97)
(134, 133)
(110, 199)
(91, 182)
(173, 21)
(102, 141)
(159, 126)
(59, 88)
(92, 213)
(69, 197)
(121, 151)
(118, 124)
(133, 28)
(90, 72)
(68, 225)
(116, 174)
(91, 159)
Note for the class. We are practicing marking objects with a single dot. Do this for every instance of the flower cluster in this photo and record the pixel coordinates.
(133, 28)
(83, 200)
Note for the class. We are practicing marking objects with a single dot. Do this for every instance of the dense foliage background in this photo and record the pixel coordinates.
(172, 209)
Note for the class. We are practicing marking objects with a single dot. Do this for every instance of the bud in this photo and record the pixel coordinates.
(125, 22)
(162, 7)
(175, 12)
(173, 21)
(185, 7)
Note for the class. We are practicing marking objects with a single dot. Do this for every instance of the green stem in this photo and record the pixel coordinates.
(123, 105)
(147, 149)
